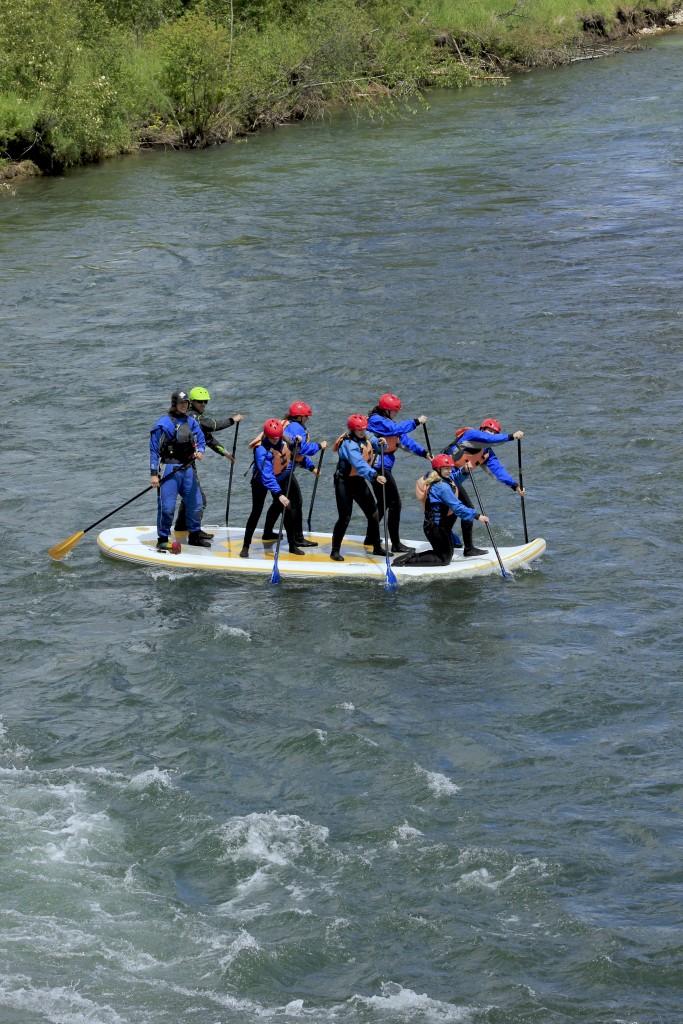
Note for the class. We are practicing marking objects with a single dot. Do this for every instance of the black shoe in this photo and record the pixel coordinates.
(244, 553)
(401, 549)
(204, 535)
(196, 540)
(379, 551)
(473, 552)
(163, 544)
(294, 550)
(268, 537)
(367, 542)
(335, 556)
(303, 543)
(403, 559)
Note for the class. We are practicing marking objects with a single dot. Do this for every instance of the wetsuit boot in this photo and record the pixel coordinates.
(469, 550)
(197, 541)
(336, 556)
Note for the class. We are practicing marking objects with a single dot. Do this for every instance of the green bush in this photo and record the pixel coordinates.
(194, 52)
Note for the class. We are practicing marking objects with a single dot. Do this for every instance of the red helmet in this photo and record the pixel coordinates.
(390, 402)
(300, 409)
(439, 461)
(357, 422)
(273, 429)
(493, 425)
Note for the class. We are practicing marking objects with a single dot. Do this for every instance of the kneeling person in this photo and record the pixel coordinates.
(441, 503)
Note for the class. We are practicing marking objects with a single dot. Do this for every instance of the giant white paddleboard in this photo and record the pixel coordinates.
(138, 544)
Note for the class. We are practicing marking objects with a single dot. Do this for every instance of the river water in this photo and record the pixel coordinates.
(224, 801)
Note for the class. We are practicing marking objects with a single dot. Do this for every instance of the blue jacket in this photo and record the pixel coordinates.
(306, 448)
(350, 456)
(164, 430)
(441, 493)
(382, 426)
(264, 469)
(482, 439)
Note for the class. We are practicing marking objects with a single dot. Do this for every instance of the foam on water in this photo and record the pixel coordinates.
(439, 784)
(58, 1004)
(404, 1004)
(272, 838)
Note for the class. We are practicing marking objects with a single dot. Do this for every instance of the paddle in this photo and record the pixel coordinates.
(429, 447)
(391, 581)
(506, 574)
(232, 467)
(60, 550)
(315, 488)
(275, 575)
(521, 487)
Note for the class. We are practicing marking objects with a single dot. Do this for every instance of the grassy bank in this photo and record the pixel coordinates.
(81, 80)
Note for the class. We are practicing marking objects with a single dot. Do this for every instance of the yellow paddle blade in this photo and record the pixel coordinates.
(60, 550)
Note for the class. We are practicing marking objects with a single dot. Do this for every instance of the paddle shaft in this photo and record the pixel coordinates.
(275, 575)
(135, 498)
(391, 581)
(315, 488)
(506, 574)
(521, 487)
(232, 468)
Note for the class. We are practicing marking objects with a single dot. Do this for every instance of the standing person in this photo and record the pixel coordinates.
(272, 468)
(382, 423)
(199, 397)
(472, 448)
(439, 496)
(176, 439)
(357, 450)
(294, 425)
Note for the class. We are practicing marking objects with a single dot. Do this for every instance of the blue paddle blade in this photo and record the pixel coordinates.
(275, 574)
(391, 581)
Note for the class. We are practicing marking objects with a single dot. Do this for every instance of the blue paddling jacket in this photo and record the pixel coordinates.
(173, 440)
(273, 464)
(474, 446)
(441, 498)
(307, 448)
(397, 435)
(356, 456)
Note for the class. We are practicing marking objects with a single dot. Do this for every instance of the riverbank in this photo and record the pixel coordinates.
(78, 87)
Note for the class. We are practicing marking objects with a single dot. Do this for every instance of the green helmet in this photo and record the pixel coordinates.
(199, 395)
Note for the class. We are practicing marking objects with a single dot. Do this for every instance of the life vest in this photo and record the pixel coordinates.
(422, 489)
(365, 446)
(180, 446)
(281, 458)
(392, 443)
(468, 454)
(285, 423)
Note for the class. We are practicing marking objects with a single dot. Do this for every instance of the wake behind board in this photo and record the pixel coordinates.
(138, 544)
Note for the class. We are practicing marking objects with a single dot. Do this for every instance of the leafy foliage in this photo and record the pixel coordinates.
(82, 79)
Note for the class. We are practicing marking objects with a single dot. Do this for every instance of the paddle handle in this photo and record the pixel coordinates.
(521, 487)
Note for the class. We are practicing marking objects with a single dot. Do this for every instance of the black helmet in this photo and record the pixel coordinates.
(179, 396)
